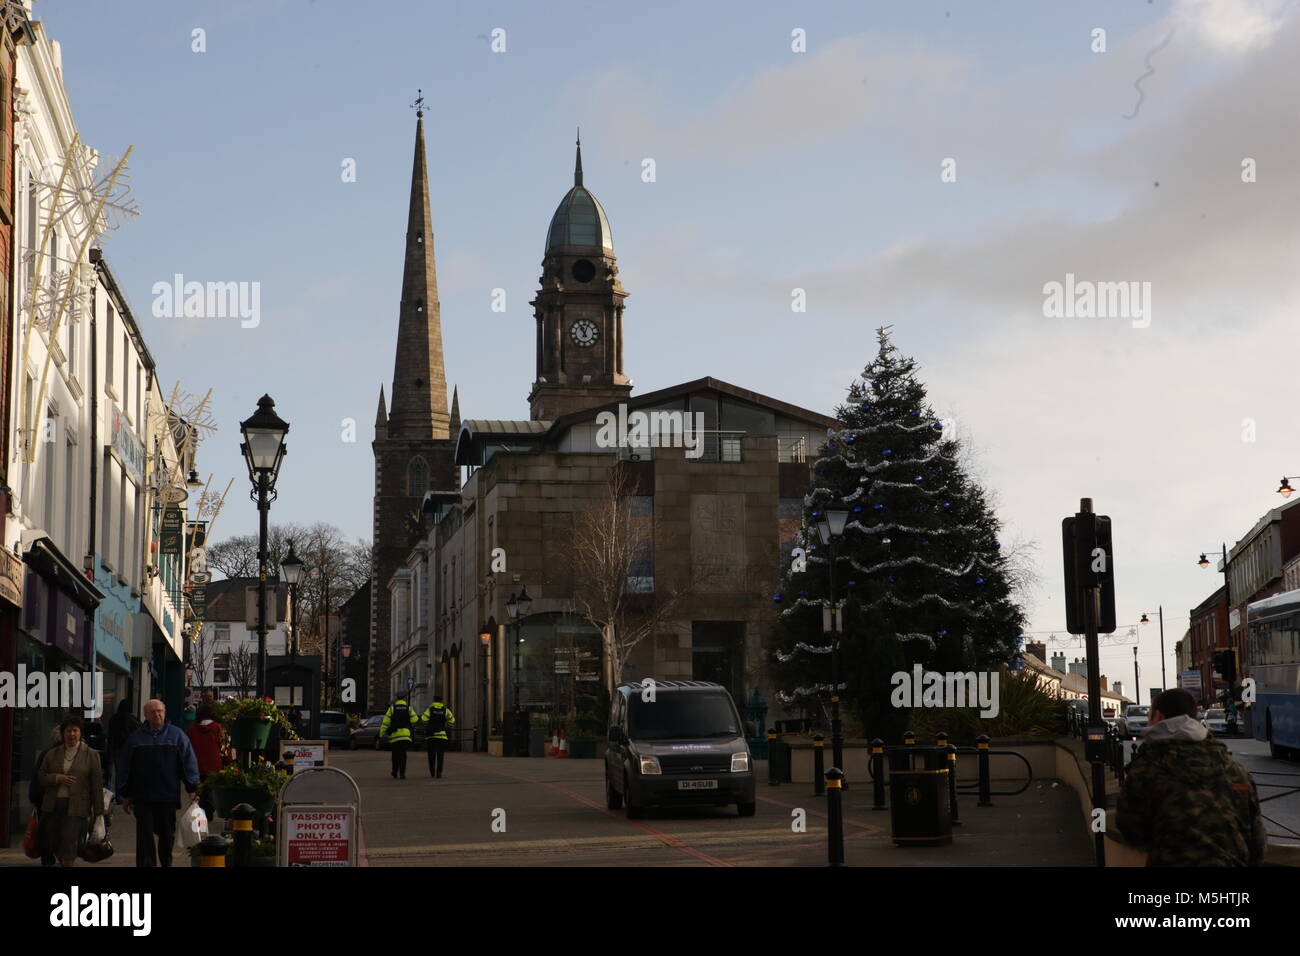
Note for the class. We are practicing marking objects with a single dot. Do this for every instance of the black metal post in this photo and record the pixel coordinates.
(834, 818)
(986, 798)
(1137, 684)
(242, 819)
(263, 558)
(877, 774)
(952, 781)
(1086, 540)
(485, 696)
(1163, 685)
(819, 768)
(772, 781)
(837, 665)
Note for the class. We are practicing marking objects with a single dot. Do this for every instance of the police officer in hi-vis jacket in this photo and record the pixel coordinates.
(397, 728)
(438, 719)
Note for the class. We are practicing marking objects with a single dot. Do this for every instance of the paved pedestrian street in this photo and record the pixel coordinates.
(555, 815)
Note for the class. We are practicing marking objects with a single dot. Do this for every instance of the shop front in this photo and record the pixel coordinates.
(55, 636)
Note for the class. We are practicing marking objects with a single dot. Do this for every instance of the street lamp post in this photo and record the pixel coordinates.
(830, 527)
(264, 450)
(1161, 611)
(292, 567)
(485, 641)
(517, 607)
(336, 666)
(1204, 562)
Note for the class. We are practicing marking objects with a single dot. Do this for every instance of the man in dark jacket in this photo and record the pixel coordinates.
(155, 761)
(121, 725)
(1185, 799)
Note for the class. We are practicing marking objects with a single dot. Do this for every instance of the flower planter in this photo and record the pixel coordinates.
(227, 798)
(250, 733)
(582, 747)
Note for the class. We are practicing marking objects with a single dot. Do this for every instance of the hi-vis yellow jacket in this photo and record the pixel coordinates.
(399, 734)
(451, 720)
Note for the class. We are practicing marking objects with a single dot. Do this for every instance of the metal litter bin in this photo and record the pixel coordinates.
(918, 796)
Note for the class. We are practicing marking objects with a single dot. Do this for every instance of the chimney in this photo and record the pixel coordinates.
(1038, 650)
(1058, 662)
(1103, 682)
(1117, 689)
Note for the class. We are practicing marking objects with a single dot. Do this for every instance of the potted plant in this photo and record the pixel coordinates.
(263, 854)
(258, 785)
(587, 728)
(248, 721)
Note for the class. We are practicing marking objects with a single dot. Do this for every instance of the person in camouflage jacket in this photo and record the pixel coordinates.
(1185, 799)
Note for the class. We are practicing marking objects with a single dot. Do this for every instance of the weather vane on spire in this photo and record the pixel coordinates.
(418, 105)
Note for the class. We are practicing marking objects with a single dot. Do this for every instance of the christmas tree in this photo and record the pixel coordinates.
(919, 567)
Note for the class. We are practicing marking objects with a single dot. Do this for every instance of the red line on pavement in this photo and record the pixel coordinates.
(666, 838)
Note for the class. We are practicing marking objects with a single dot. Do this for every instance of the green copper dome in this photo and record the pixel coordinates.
(579, 220)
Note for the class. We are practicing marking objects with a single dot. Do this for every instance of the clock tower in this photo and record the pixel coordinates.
(578, 311)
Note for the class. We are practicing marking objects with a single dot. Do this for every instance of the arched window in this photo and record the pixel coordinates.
(417, 477)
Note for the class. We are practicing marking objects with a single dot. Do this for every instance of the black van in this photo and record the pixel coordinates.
(677, 742)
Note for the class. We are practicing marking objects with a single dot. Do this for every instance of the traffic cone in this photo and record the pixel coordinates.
(564, 745)
(555, 743)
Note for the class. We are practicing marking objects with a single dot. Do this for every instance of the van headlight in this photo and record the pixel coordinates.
(740, 763)
(650, 765)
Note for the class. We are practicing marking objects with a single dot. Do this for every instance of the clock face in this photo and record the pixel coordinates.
(584, 332)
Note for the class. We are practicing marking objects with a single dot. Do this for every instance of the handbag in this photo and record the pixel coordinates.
(32, 837)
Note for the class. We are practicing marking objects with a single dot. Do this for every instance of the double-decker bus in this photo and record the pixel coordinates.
(1274, 663)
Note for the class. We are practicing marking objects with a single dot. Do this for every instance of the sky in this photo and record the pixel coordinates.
(931, 166)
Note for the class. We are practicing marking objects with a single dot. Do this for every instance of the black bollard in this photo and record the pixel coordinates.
(213, 850)
(952, 782)
(878, 774)
(909, 738)
(771, 758)
(834, 818)
(941, 739)
(242, 819)
(819, 769)
(985, 800)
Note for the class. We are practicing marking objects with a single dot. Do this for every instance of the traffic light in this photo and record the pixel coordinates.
(1225, 664)
(1089, 556)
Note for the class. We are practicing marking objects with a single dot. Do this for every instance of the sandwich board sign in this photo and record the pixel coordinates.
(318, 818)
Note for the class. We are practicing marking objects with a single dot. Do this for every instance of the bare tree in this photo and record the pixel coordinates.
(616, 586)
(243, 669)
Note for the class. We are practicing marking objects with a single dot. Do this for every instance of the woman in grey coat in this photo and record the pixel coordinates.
(74, 792)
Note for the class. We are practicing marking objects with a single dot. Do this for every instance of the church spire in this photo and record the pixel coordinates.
(419, 403)
(577, 166)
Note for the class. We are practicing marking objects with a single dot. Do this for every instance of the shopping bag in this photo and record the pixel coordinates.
(98, 832)
(194, 826)
(32, 838)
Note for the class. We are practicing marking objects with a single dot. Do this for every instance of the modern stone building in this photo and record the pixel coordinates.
(714, 483)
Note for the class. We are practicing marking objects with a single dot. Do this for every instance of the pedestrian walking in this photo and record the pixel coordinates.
(1185, 799)
(155, 762)
(121, 725)
(36, 794)
(438, 719)
(396, 727)
(211, 756)
(72, 783)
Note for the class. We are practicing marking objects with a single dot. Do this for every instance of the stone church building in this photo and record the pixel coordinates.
(721, 512)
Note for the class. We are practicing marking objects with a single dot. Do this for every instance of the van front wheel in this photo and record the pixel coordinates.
(634, 812)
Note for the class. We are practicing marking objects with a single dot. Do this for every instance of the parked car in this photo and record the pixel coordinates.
(1134, 721)
(1215, 720)
(367, 735)
(334, 727)
(686, 745)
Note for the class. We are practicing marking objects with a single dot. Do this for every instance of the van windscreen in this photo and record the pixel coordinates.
(677, 715)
